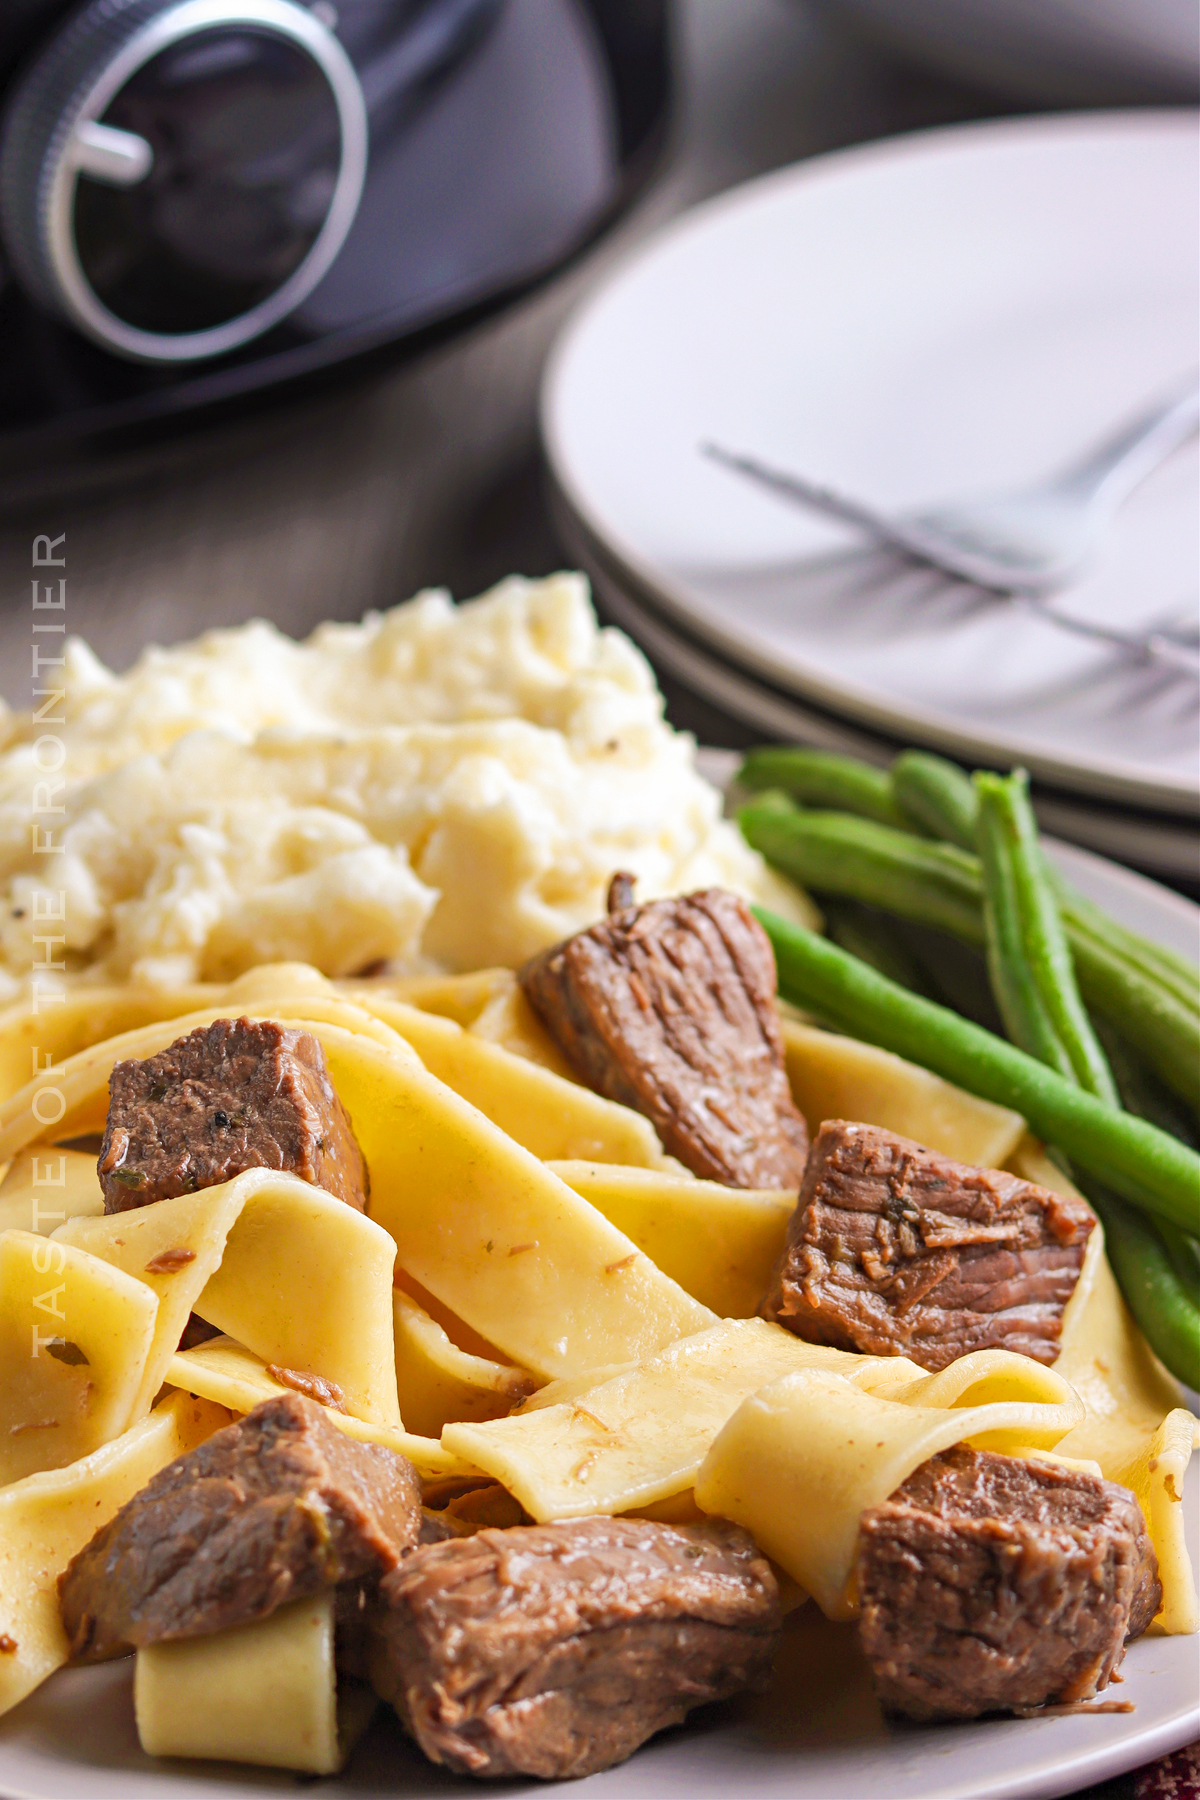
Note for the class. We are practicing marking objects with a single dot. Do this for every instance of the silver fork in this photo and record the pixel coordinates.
(1029, 542)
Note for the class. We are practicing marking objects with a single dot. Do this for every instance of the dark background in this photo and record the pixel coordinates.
(424, 470)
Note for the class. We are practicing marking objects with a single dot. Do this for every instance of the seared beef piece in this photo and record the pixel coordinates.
(555, 1650)
(894, 1250)
(274, 1508)
(989, 1583)
(237, 1094)
(670, 1009)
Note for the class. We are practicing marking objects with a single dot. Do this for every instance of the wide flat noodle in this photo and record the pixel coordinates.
(457, 1330)
(800, 1460)
(719, 1243)
(75, 1335)
(510, 1021)
(492, 1232)
(266, 1693)
(298, 1276)
(305, 1282)
(489, 1003)
(82, 1079)
(1134, 1427)
(836, 1077)
(84, 1016)
(551, 1117)
(88, 1015)
(610, 1441)
(439, 1383)
(478, 1220)
(171, 1248)
(459, 997)
(47, 1519)
(45, 1187)
(233, 1377)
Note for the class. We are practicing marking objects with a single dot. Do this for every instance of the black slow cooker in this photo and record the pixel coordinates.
(201, 198)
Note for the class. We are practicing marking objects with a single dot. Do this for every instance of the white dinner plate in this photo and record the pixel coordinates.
(1163, 844)
(816, 1735)
(956, 311)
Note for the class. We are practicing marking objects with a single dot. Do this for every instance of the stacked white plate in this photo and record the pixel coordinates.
(958, 311)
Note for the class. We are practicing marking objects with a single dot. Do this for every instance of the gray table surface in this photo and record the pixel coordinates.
(428, 473)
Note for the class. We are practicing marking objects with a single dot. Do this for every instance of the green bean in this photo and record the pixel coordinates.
(938, 799)
(941, 885)
(1034, 982)
(1151, 960)
(935, 796)
(872, 937)
(822, 778)
(1141, 1091)
(1023, 1008)
(1026, 940)
(776, 800)
(1159, 1294)
(934, 884)
(1140, 1162)
(1163, 1031)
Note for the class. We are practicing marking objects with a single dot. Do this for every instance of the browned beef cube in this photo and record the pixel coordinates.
(989, 1583)
(237, 1094)
(555, 1650)
(670, 1009)
(277, 1507)
(894, 1250)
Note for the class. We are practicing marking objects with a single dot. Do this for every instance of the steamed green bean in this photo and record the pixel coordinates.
(822, 778)
(941, 885)
(1033, 975)
(1141, 1163)
(935, 796)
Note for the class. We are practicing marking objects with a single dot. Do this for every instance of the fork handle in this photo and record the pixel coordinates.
(1114, 468)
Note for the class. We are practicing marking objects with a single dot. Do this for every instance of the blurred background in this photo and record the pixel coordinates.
(420, 463)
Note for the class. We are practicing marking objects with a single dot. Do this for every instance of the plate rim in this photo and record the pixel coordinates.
(1174, 793)
(731, 690)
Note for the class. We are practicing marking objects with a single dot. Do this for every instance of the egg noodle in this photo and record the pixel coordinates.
(538, 1295)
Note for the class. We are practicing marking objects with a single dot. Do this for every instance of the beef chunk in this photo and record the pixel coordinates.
(276, 1507)
(989, 1583)
(237, 1094)
(555, 1650)
(894, 1250)
(670, 1009)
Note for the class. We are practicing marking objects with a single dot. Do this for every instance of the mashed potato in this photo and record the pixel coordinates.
(439, 787)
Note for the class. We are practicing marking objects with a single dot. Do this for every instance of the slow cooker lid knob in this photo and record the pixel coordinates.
(177, 175)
